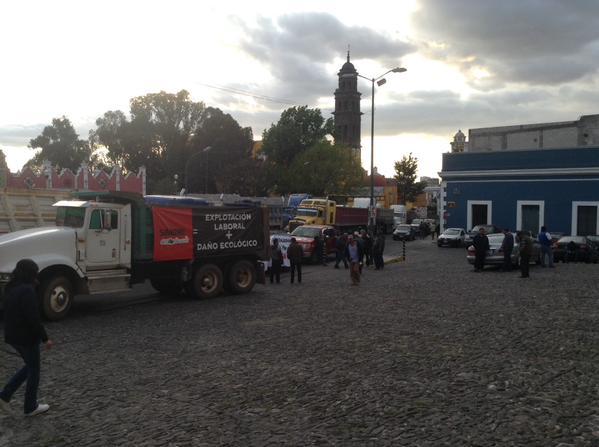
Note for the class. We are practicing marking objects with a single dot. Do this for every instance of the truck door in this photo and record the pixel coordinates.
(103, 242)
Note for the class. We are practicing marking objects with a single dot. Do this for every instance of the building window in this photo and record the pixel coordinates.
(530, 215)
(479, 212)
(585, 218)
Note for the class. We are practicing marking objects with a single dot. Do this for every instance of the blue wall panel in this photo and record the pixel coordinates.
(558, 197)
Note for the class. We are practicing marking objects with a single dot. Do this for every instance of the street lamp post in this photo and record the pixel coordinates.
(379, 81)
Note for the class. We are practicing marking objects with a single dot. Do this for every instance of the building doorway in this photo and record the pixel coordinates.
(585, 218)
(479, 212)
(530, 215)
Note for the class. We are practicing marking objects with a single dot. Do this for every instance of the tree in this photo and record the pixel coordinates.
(60, 145)
(405, 174)
(298, 129)
(3, 170)
(324, 169)
(171, 135)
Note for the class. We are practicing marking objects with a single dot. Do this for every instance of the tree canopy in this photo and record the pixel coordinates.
(298, 129)
(405, 174)
(169, 134)
(60, 145)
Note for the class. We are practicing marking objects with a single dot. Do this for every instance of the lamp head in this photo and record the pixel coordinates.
(399, 70)
(381, 82)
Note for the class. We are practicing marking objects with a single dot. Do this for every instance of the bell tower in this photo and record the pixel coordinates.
(347, 109)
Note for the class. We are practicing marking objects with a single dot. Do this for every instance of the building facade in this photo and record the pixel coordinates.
(348, 118)
(522, 190)
(581, 133)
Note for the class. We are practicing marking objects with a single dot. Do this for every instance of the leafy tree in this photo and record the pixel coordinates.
(173, 136)
(61, 145)
(405, 174)
(3, 170)
(221, 155)
(323, 169)
(298, 129)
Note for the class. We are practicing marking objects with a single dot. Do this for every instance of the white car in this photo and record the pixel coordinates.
(452, 237)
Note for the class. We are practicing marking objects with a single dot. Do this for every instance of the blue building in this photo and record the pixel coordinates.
(522, 190)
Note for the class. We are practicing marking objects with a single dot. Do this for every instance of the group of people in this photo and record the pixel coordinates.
(525, 243)
(353, 250)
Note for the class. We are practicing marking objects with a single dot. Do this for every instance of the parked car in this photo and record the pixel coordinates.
(452, 237)
(489, 229)
(495, 253)
(404, 232)
(576, 249)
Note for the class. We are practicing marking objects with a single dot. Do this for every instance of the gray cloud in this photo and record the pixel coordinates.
(535, 42)
(297, 48)
(15, 135)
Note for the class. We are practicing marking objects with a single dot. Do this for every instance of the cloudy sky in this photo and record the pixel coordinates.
(471, 63)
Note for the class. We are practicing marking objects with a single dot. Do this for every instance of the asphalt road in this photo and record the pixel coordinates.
(423, 353)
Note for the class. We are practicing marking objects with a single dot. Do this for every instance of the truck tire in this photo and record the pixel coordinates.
(57, 297)
(166, 286)
(207, 282)
(242, 277)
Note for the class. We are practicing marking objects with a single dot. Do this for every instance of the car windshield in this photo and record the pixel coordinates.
(306, 212)
(575, 239)
(451, 232)
(306, 232)
(69, 216)
(404, 227)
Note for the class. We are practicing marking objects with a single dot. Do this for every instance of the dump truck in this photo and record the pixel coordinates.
(106, 242)
(327, 212)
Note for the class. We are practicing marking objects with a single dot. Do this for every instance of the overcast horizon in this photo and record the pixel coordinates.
(470, 64)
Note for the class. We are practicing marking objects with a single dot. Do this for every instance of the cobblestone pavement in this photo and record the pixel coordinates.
(424, 353)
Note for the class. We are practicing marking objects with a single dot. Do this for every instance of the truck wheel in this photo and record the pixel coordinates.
(242, 277)
(57, 297)
(207, 281)
(166, 286)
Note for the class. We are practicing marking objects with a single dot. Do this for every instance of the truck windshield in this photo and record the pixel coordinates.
(306, 212)
(68, 216)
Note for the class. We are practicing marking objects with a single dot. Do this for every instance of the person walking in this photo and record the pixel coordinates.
(360, 242)
(24, 331)
(295, 253)
(546, 251)
(377, 251)
(276, 261)
(525, 247)
(507, 246)
(340, 252)
(354, 254)
(481, 246)
(436, 231)
(367, 247)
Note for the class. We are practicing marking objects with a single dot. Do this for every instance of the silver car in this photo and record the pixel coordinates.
(495, 253)
(452, 237)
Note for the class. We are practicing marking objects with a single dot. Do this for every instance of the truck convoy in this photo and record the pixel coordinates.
(106, 242)
(327, 212)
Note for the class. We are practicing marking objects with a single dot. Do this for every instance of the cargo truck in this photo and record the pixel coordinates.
(106, 242)
(327, 212)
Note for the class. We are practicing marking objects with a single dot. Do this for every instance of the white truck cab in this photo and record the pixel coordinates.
(89, 251)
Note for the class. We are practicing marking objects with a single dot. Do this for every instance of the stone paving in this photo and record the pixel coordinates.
(424, 353)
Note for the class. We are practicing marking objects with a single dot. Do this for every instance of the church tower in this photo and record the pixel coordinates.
(347, 109)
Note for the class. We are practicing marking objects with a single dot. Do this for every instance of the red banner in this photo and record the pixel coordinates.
(173, 234)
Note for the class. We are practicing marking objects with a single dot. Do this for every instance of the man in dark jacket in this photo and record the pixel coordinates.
(377, 251)
(295, 253)
(354, 254)
(340, 251)
(507, 246)
(23, 330)
(481, 245)
(525, 247)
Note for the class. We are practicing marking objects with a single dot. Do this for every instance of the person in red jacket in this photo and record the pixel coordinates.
(24, 331)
